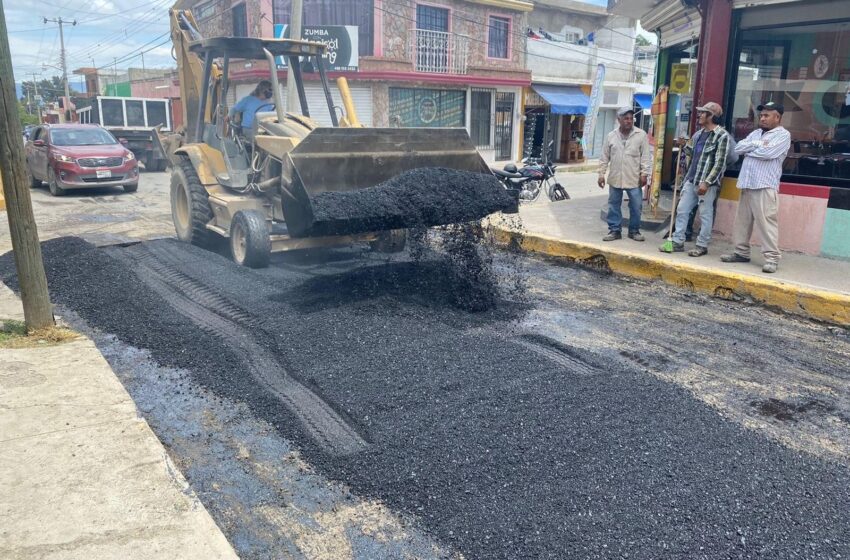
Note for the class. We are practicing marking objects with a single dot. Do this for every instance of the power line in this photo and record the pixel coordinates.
(142, 22)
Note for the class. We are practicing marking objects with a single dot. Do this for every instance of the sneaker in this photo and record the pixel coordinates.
(613, 236)
(637, 236)
(769, 267)
(698, 251)
(677, 248)
(734, 257)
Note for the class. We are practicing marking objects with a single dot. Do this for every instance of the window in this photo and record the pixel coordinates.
(240, 21)
(480, 117)
(135, 113)
(497, 45)
(806, 68)
(204, 11)
(427, 107)
(157, 114)
(112, 112)
(432, 18)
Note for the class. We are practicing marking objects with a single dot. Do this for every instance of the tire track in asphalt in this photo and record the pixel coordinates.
(219, 317)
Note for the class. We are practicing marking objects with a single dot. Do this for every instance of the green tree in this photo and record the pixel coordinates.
(642, 41)
(50, 90)
(26, 118)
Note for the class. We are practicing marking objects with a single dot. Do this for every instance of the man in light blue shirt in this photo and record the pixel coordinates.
(250, 104)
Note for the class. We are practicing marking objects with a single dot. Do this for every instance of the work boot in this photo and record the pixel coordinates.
(677, 248)
(698, 251)
(613, 236)
(637, 236)
(734, 257)
(769, 267)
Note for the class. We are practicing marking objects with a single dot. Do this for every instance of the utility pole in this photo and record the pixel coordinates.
(62, 56)
(292, 101)
(37, 104)
(38, 313)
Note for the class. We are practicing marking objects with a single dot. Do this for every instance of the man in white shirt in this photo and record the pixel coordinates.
(764, 151)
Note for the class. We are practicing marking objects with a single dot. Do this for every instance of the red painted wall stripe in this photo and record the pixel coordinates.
(796, 189)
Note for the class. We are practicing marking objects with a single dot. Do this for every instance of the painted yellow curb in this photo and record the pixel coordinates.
(799, 300)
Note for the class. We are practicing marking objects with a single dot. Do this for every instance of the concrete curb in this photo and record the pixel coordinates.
(830, 307)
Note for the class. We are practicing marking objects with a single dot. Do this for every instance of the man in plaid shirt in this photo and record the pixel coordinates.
(706, 156)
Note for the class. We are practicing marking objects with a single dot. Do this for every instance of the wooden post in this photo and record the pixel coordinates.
(38, 312)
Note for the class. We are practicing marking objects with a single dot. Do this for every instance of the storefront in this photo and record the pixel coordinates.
(555, 116)
(796, 53)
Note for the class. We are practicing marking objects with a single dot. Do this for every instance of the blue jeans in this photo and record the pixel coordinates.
(690, 199)
(615, 203)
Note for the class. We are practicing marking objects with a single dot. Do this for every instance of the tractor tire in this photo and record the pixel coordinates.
(250, 242)
(190, 205)
(54, 187)
(392, 241)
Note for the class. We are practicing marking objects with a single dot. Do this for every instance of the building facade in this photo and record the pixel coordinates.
(435, 63)
(743, 53)
(567, 40)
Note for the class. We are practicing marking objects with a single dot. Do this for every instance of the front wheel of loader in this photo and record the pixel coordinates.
(190, 206)
(250, 243)
(392, 241)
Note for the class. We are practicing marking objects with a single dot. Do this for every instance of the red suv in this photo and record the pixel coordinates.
(79, 156)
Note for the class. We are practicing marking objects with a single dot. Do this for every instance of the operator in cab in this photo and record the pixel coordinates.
(249, 105)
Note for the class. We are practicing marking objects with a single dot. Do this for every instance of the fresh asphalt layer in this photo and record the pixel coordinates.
(541, 428)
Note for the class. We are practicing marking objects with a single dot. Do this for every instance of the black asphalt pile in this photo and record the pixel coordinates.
(501, 445)
(417, 198)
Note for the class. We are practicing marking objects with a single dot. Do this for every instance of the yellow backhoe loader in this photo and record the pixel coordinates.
(260, 187)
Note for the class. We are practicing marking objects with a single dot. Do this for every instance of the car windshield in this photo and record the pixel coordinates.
(81, 137)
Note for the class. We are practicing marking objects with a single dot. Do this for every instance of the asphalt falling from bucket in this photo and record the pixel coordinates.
(418, 198)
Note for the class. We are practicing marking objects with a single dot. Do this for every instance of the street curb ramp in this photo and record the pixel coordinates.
(798, 300)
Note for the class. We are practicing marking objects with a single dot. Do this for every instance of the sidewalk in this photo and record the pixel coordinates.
(804, 285)
(83, 476)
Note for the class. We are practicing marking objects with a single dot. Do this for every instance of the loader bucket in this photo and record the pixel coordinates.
(353, 180)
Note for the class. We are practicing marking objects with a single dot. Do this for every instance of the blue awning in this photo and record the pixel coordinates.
(565, 100)
(644, 100)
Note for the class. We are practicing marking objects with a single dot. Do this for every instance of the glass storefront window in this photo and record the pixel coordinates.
(427, 107)
(806, 68)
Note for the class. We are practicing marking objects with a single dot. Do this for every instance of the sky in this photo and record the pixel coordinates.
(105, 30)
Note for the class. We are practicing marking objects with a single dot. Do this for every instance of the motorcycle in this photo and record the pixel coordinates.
(528, 181)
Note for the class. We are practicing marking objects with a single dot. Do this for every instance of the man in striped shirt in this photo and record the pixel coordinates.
(764, 151)
(706, 153)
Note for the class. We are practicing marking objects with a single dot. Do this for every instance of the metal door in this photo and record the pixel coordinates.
(504, 125)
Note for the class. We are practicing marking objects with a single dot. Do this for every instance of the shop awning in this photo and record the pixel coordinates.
(644, 100)
(565, 100)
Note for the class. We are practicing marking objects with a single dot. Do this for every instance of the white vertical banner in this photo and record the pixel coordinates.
(593, 109)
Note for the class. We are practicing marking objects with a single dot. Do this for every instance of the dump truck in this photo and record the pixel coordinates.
(288, 183)
(135, 121)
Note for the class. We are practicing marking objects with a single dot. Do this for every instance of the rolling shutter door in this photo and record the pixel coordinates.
(362, 96)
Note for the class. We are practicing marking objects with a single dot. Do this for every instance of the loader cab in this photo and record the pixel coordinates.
(236, 146)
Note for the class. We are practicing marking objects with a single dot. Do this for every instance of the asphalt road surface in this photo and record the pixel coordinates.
(590, 417)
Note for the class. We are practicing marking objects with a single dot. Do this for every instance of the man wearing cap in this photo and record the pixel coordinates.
(627, 159)
(764, 151)
(706, 153)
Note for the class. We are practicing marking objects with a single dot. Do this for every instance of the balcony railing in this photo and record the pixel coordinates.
(437, 52)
